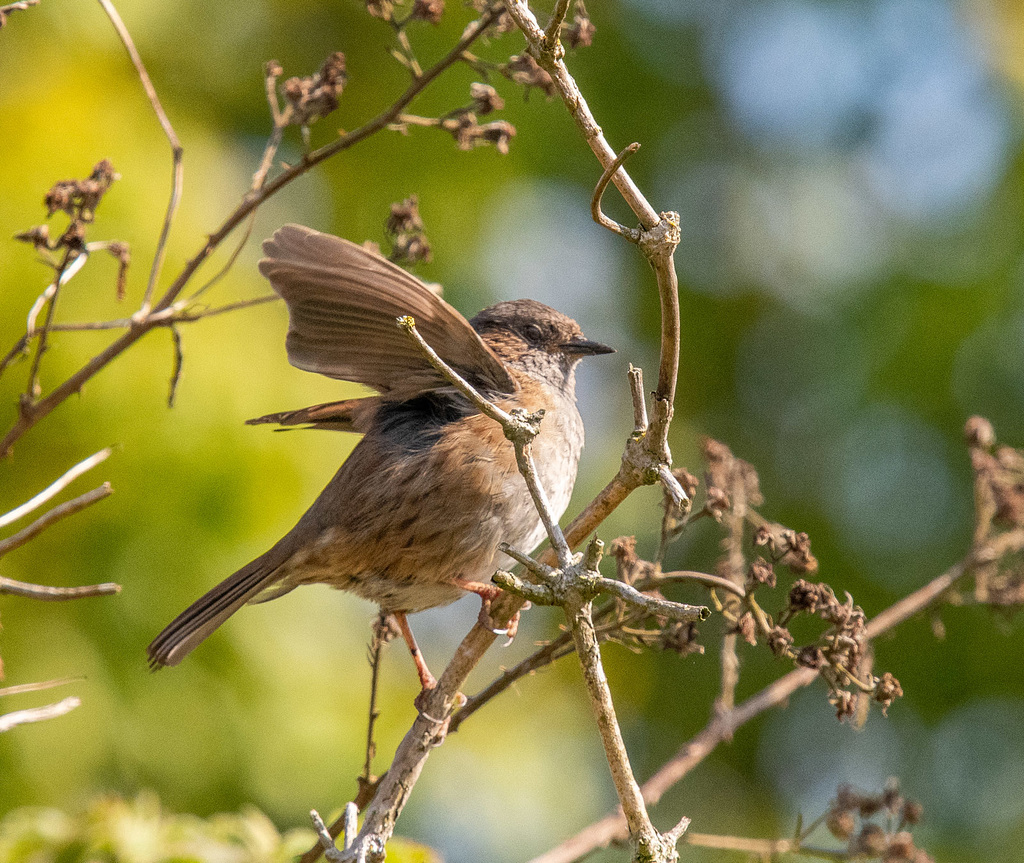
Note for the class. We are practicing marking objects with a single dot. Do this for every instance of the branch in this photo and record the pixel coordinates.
(55, 488)
(177, 152)
(21, 5)
(53, 516)
(659, 235)
(22, 688)
(38, 714)
(54, 594)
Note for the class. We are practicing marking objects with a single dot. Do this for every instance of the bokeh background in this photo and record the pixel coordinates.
(850, 181)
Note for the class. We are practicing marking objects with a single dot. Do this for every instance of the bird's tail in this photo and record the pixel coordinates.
(183, 634)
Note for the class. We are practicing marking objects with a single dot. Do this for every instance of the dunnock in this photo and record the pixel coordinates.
(414, 516)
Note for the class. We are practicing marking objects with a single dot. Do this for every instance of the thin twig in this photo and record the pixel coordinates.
(46, 593)
(22, 688)
(631, 234)
(55, 488)
(579, 110)
(38, 714)
(672, 610)
(688, 575)
(649, 843)
(177, 152)
(377, 644)
(176, 366)
(53, 516)
(21, 5)
(64, 272)
(735, 564)
(636, 391)
(554, 649)
(176, 314)
(408, 325)
(555, 24)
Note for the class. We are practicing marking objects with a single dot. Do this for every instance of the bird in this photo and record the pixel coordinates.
(414, 516)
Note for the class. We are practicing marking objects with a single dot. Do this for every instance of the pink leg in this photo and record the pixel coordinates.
(488, 593)
(427, 680)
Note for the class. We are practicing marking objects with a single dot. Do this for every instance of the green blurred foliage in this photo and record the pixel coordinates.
(116, 830)
(835, 337)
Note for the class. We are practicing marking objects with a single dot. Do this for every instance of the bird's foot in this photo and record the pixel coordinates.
(488, 593)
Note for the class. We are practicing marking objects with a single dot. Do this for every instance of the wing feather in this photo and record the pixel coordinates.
(342, 304)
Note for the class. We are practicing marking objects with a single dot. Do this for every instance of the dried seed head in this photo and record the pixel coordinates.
(978, 432)
(779, 640)
(485, 98)
(428, 10)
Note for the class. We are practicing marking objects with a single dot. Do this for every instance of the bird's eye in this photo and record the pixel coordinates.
(533, 333)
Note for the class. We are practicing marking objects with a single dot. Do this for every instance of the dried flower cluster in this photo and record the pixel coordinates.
(314, 96)
(635, 630)
(999, 501)
(430, 11)
(78, 199)
(404, 227)
(848, 819)
(732, 490)
(469, 134)
(461, 123)
(523, 69)
(581, 31)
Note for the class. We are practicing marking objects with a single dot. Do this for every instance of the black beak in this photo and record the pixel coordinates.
(585, 348)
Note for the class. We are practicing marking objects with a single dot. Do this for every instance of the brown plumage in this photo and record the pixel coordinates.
(414, 516)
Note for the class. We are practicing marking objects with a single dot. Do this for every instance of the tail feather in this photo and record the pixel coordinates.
(183, 634)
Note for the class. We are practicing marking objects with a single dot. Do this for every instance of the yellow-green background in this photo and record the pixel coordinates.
(850, 182)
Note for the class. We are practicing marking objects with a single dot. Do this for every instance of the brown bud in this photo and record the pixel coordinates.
(500, 133)
(871, 842)
(582, 30)
(681, 638)
(747, 627)
(428, 10)
(978, 432)
(841, 823)
(806, 596)
(687, 480)
(380, 8)
(404, 216)
(523, 69)
(761, 572)
(779, 640)
(912, 812)
(810, 657)
(485, 98)
(901, 848)
(717, 503)
(887, 690)
(844, 702)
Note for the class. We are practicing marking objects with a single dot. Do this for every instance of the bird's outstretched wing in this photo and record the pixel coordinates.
(342, 304)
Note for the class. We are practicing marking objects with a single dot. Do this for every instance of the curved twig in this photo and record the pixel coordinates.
(631, 234)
